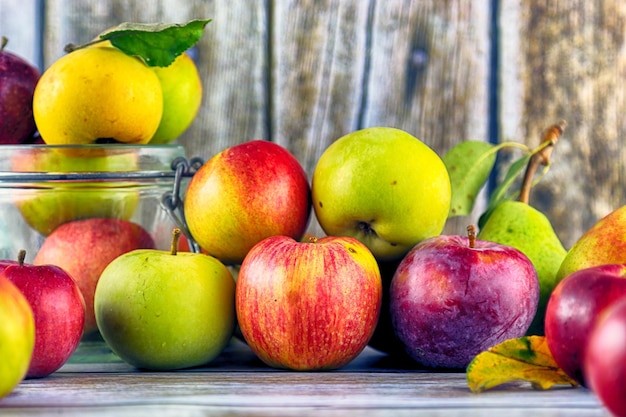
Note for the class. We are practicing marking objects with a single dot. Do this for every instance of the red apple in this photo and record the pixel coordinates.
(59, 311)
(85, 247)
(573, 308)
(453, 297)
(604, 363)
(308, 305)
(17, 336)
(244, 194)
(17, 85)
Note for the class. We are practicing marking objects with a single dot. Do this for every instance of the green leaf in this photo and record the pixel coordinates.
(158, 45)
(469, 164)
(522, 359)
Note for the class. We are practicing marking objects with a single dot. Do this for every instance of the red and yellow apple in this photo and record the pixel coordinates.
(308, 305)
(85, 247)
(245, 194)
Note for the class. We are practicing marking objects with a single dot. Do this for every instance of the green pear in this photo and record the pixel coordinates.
(517, 224)
(603, 243)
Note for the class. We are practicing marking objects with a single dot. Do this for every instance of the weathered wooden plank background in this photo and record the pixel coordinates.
(303, 73)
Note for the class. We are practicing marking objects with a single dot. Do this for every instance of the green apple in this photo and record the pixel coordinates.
(165, 310)
(17, 335)
(603, 243)
(182, 96)
(384, 187)
(47, 205)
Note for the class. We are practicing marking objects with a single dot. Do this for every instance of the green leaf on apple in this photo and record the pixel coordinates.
(526, 358)
(157, 44)
(469, 164)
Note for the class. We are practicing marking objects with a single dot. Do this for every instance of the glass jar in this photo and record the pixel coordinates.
(44, 186)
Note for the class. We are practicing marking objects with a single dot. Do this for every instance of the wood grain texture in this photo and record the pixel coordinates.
(239, 384)
(566, 60)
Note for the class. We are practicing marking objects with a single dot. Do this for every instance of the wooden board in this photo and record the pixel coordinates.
(239, 384)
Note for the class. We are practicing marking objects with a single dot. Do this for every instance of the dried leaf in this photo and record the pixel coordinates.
(523, 359)
(469, 164)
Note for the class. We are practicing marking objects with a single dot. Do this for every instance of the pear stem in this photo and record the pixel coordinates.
(3, 43)
(471, 235)
(21, 256)
(175, 238)
(542, 157)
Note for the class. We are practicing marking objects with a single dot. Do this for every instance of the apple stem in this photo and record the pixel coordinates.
(21, 256)
(3, 43)
(471, 235)
(541, 157)
(175, 237)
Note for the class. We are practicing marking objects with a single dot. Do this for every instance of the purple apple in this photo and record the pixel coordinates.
(17, 85)
(574, 307)
(453, 297)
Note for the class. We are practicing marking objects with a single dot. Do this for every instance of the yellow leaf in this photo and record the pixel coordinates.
(523, 359)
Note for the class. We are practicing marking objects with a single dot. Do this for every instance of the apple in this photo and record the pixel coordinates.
(453, 297)
(182, 95)
(308, 305)
(384, 338)
(245, 194)
(166, 310)
(18, 79)
(17, 336)
(604, 363)
(46, 207)
(573, 308)
(603, 243)
(59, 311)
(384, 187)
(84, 248)
(97, 95)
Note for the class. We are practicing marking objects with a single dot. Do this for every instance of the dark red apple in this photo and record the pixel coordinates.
(604, 364)
(17, 85)
(453, 297)
(85, 247)
(308, 305)
(59, 311)
(573, 308)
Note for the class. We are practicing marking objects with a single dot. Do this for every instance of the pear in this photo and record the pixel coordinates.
(603, 243)
(518, 224)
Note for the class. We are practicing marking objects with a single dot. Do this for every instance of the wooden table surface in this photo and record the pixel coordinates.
(95, 382)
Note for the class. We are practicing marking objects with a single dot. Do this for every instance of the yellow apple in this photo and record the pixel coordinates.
(98, 95)
(182, 96)
(383, 187)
